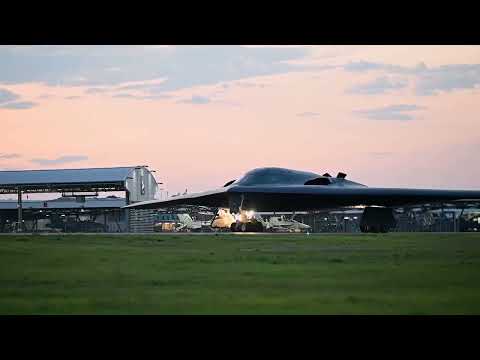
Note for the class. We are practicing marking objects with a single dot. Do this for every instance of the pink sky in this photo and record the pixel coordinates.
(320, 116)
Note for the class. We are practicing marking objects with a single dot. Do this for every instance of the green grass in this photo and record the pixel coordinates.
(414, 273)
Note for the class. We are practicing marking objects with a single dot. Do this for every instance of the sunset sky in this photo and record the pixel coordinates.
(394, 116)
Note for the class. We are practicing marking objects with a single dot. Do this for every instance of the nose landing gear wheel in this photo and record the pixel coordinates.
(377, 220)
(246, 227)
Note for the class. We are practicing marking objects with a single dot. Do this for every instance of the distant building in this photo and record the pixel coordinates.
(79, 208)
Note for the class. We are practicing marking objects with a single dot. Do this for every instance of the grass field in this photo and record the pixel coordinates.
(414, 273)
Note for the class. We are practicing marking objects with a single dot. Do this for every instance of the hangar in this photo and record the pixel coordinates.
(79, 201)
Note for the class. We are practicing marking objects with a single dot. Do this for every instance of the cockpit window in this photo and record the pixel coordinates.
(229, 183)
(318, 181)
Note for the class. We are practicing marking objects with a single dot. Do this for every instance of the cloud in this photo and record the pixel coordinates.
(7, 96)
(96, 90)
(157, 97)
(428, 80)
(309, 114)
(250, 85)
(365, 66)
(380, 85)
(147, 85)
(197, 100)
(362, 66)
(21, 105)
(9, 156)
(203, 100)
(182, 66)
(393, 112)
(142, 97)
(126, 96)
(8, 101)
(447, 78)
(60, 160)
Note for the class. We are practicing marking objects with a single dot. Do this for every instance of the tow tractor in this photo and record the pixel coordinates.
(247, 221)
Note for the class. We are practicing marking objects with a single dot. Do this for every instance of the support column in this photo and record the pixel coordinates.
(127, 211)
(20, 215)
(459, 220)
(105, 221)
(443, 220)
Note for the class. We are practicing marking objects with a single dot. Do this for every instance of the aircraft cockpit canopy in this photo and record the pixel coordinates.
(280, 176)
(276, 176)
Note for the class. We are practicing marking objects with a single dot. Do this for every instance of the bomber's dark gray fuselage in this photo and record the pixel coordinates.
(278, 189)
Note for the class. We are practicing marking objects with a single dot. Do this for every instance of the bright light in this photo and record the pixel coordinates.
(249, 214)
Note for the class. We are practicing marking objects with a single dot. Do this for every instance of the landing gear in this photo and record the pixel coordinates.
(246, 227)
(377, 220)
(374, 228)
(246, 221)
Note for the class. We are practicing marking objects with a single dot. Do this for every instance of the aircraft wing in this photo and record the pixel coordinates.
(308, 197)
(312, 197)
(215, 198)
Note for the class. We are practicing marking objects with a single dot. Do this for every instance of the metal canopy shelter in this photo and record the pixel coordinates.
(63, 180)
(74, 180)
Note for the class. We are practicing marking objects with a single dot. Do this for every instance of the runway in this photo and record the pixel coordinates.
(213, 234)
(168, 234)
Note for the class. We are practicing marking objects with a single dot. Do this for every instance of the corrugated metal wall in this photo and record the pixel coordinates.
(141, 220)
(142, 185)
